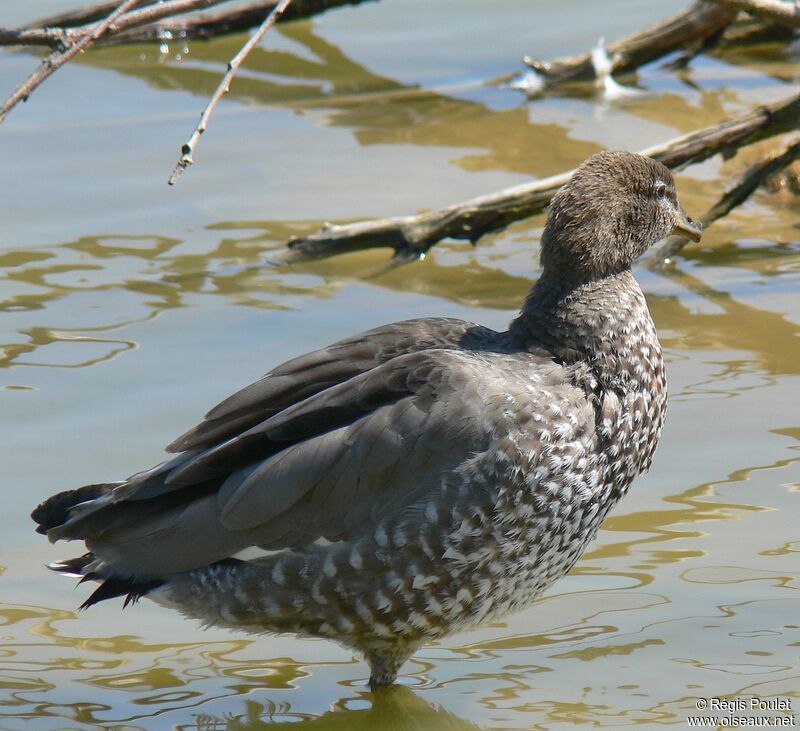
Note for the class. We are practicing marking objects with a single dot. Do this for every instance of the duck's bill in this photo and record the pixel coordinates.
(686, 227)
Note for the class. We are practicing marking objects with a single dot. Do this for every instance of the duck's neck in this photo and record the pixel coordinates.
(603, 323)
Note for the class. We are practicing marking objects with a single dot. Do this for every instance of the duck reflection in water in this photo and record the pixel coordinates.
(392, 708)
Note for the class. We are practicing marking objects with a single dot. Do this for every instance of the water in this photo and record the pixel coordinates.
(128, 308)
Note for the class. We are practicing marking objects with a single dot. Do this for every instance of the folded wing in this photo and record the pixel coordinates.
(322, 447)
(329, 467)
(313, 372)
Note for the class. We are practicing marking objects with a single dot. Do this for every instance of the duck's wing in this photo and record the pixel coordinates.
(332, 466)
(301, 377)
(288, 384)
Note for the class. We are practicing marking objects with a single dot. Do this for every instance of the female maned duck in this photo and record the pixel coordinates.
(416, 479)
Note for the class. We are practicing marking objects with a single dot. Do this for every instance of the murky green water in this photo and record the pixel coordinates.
(128, 308)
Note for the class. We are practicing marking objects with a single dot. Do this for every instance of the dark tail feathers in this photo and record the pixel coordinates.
(131, 589)
(110, 586)
(56, 510)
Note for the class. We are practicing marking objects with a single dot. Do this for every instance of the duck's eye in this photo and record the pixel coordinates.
(661, 189)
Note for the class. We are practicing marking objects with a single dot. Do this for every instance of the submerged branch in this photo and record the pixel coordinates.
(188, 148)
(690, 28)
(411, 236)
(751, 179)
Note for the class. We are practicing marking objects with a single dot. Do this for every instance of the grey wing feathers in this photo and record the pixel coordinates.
(319, 446)
(332, 484)
(73, 514)
(336, 406)
(337, 475)
(313, 372)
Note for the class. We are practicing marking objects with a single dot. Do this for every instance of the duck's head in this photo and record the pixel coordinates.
(614, 207)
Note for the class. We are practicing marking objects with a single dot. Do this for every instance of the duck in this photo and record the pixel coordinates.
(417, 479)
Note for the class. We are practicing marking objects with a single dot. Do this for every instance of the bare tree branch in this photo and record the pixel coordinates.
(411, 236)
(751, 179)
(750, 29)
(53, 37)
(156, 24)
(58, 36)
(188, 148)
(83, 15)
(226, 20)
(58, 58)
(780, 11)
(691, 27)
(727, 136)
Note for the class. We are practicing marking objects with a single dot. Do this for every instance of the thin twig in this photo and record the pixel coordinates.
(779, 11)
(413, 235)
(58, 58)
(747, 184)
(188, 148)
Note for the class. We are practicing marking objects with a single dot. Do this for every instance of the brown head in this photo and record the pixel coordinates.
(614, 207)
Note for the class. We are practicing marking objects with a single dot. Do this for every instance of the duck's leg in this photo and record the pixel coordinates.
(385, 662)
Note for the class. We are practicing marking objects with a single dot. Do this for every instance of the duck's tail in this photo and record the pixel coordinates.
(90, 568)
(58, 510)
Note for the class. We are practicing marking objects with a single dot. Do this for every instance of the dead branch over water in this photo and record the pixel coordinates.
(83, 15)
(58, 58)
(687, 30)
(411, 236)
(221, 21)
(701, 26)
(70, 41)
(696, 29)
(154, 21)
(58, 36)
(72, 32)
